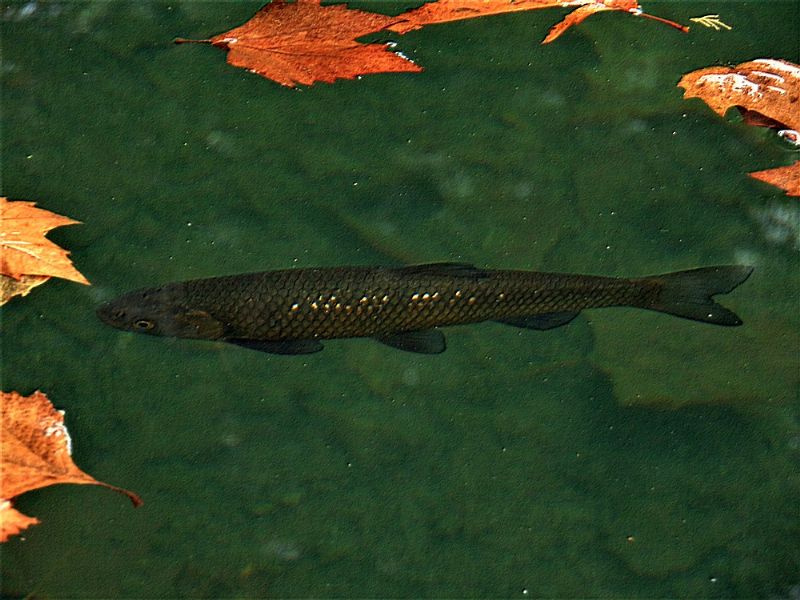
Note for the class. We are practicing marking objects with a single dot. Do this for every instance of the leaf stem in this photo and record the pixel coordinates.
(188, 41)
(683, 28)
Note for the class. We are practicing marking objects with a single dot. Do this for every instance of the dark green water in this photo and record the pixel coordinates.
(629, 454)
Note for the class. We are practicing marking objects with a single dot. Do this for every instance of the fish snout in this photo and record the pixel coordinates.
(111, 314)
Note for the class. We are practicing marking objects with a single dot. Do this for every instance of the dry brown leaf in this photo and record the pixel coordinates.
(24, 249)
(767, 94)
(443, 11)
(574, 18)
(769, 88)
(12, 521)
(35, 450)
(787, 178)
(303, 42)
(10, 287)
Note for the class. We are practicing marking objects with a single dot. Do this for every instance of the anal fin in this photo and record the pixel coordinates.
(543, 321)
(428, 341)
(284, 347)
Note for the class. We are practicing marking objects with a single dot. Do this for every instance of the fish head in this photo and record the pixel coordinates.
(160, 311)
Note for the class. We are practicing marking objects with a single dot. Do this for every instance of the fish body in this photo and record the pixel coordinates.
(290, 311)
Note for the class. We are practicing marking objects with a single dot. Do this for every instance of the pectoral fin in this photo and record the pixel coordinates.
(204, 325)
(545, 321)
(287, 347)
(429, 341)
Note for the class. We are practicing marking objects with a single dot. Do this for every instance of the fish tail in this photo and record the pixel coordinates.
(688, 294)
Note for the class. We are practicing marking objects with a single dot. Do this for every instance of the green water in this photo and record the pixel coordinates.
(629, 454)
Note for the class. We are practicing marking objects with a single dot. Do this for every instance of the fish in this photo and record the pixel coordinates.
(291, 311)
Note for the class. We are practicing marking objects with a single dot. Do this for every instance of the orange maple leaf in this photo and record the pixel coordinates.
(35, 450)
(443, 11)
(12, 521)
(304, 42)
(765, 91)
(787, 178)
(10, 287)
(24, 249)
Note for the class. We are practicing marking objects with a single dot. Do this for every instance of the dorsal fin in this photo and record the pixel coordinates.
(444, 269)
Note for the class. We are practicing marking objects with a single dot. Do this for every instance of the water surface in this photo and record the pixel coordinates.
(628, 454)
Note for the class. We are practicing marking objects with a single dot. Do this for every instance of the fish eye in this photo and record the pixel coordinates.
(143, 324)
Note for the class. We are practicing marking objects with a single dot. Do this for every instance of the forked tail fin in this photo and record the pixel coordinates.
(688, 294)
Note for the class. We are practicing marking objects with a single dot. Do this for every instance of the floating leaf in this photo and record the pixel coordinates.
(24, 249)
(10, 287)
(443, 11)
(35, 450)
(304, 42)
(764, 90)
(767, 94)
(787, 178)
(12, 521)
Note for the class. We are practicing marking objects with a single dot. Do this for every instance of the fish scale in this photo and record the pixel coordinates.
(289, 311)
(333, 303)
